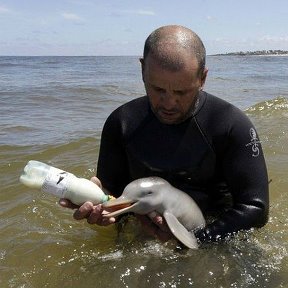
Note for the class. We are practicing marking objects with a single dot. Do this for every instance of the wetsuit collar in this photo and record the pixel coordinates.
(201, 98)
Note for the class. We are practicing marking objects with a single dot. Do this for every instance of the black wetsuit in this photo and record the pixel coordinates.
(215, 150)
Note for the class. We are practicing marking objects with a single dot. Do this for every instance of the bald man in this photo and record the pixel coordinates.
(199, 143)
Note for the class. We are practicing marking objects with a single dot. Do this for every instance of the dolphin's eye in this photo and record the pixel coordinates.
(149, 193)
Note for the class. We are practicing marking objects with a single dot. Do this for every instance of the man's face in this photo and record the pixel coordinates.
(172, 94)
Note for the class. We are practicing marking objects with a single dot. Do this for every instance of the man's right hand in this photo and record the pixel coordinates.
(93, 213)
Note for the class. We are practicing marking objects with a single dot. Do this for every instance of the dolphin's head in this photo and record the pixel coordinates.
(141, 196)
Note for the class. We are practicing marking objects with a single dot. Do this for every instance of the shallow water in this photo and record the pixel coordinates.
(52, 110)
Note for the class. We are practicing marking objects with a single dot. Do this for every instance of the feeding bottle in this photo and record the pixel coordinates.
(61, 183)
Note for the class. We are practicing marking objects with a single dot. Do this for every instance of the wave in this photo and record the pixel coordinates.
(16, 128)
(276, 106)
(81, 144)
(78, 156)
(8, 65)
(219, 78)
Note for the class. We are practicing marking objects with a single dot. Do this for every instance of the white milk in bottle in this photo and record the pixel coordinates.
(61, 183)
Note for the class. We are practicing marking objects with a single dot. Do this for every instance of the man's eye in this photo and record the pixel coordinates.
(180, 92)
(158, 89)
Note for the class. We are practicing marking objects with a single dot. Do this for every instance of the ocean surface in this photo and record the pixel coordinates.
(52, 109)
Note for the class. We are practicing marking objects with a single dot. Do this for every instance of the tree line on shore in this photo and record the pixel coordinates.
(258, 52)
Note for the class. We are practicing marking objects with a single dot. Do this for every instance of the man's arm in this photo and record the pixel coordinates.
(112, 167)
(246, 175)
(111, 172)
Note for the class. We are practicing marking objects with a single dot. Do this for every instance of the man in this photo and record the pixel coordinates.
(199, 143)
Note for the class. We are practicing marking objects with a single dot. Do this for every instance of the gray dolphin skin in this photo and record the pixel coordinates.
(146, 195)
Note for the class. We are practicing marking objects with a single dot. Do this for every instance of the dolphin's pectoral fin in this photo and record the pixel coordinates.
(180, 232)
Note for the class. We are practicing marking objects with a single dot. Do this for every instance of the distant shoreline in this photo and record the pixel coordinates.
(240, 53)
(256, 53)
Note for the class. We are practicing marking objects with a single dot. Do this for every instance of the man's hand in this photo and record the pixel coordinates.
(156, 226)
(93, 213)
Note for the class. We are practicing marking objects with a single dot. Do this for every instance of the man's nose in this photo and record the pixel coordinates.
(169, 100)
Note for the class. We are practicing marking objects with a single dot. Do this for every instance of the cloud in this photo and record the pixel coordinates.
(138, 12)
(71, 17)
(209, 18)
(265, 42)
(274, 39)
(4, 10)
(145, 12)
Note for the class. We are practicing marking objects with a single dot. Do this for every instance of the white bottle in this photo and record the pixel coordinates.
(61, 183)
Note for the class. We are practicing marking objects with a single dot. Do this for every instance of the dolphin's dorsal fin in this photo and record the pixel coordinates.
(180, 232)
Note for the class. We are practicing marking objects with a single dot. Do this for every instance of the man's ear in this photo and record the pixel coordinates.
(203, 77)
(142, 67)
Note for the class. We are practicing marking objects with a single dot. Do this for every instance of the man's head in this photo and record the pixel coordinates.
(173, 70)
(162, 42)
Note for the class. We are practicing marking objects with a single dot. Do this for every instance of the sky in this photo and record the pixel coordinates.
(120, 27)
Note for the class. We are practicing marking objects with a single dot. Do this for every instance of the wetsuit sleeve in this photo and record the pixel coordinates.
(112, 168)
(246, 175)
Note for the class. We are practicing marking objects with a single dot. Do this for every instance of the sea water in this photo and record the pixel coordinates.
(52, 109)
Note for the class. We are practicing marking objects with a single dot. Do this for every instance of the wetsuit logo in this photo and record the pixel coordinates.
(254, 143)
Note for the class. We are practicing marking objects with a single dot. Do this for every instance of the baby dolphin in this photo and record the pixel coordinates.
(145, 195)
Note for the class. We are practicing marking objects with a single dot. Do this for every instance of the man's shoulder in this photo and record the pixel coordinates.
(219, 117)
(216, 106)
(219, 103)
(132, 107)
(129, 115)
(138, 104)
